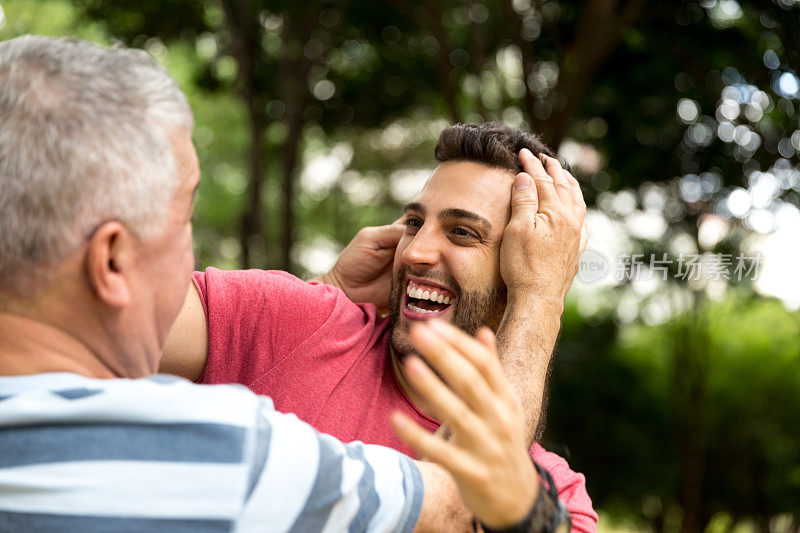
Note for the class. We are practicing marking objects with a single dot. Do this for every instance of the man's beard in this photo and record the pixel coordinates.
(471, 310)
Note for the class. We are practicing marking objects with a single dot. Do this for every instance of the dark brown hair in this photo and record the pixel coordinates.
(491, 143)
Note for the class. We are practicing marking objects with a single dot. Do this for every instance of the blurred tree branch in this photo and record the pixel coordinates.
(597, 34)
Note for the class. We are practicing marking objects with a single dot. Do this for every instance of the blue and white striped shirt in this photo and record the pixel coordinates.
(163, 454)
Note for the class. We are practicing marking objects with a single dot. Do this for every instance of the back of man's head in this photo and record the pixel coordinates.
(84, 138)
(491, 143)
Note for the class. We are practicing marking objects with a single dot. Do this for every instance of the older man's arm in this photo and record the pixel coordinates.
(538, 259)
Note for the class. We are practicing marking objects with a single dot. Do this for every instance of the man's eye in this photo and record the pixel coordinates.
(413, 223)
(461, 232)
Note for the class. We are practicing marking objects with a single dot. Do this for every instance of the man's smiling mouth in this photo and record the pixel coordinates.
(423, 301)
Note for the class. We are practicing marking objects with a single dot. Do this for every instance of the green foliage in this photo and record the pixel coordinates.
(615, 409)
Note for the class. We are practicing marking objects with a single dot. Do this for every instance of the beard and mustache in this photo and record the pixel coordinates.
(471, 310)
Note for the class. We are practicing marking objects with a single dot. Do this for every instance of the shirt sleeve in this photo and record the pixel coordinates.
(304, 481)
(256, 317)
(571, 489)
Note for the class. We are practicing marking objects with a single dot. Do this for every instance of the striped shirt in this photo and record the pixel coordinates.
(163, 454)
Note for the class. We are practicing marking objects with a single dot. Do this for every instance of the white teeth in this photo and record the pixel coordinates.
(426, 294)
(418, 309)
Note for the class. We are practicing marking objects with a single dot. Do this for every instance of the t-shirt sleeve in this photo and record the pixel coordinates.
(571, 490)
(256, 317)
(302, 480)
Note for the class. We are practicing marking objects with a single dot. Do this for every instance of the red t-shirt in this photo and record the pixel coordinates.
(325, 358)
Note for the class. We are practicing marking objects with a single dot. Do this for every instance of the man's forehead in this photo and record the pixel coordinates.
(469, 186)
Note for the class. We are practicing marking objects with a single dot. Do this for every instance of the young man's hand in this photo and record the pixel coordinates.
(364, 268)
(487, 452)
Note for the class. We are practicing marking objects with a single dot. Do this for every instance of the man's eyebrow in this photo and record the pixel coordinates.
(455, 212)
(414, 206)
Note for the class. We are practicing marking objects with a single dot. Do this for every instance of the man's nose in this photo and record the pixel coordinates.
(423, 249)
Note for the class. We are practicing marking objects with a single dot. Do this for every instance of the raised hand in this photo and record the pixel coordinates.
(364, 268)
(544, 238)
(487, 452)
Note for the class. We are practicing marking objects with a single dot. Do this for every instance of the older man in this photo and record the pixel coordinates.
(473, 250)
(97, 177)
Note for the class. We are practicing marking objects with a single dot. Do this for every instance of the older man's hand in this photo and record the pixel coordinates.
(487, 453)
(543, 240)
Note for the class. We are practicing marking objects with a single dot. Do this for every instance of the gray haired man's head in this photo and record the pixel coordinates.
(84, 138)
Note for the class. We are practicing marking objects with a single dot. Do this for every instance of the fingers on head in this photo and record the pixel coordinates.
(559, 177)
(382, 236)
(546, 190)
(553, 168)
(530, 163)
(584, 237)
(577, 194)
(567, 186)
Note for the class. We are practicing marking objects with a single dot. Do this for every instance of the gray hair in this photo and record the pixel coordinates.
(85, 137)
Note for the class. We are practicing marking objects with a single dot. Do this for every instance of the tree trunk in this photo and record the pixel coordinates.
(242, 20)
(252, 227)
(597, 35)
(293, 69)
(690, 385)
(762, 524)
(291, 154)
(477, 56)
(514, 21)
(431, 18)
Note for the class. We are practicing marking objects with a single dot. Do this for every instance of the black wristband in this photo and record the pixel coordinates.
(547, 513)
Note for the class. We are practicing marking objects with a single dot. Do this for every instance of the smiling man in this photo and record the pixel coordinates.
(447, 266)
(447, 263)
(496, 248)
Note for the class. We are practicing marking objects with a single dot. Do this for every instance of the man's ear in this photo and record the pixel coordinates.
(109, 259)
